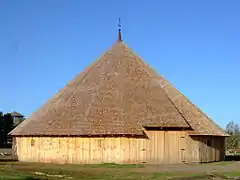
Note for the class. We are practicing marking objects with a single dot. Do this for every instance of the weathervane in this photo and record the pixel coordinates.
(119, 24)
(119, 30)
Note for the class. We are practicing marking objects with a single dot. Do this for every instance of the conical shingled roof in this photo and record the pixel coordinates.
(116, 95)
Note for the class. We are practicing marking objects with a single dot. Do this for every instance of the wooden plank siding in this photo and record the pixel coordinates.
(161, 147)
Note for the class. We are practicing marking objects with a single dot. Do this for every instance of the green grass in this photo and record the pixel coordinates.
(26, 171)
(107, 176)
(18, 170)
(109, 171)
(19, 177)
(231, 174)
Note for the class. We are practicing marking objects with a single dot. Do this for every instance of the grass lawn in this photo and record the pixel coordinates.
(28, 171)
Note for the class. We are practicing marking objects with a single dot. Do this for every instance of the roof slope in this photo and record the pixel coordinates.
(116, 95)
(198, 120)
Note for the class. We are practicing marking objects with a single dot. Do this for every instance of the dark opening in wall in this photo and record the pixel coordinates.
(32, 142)
(209, 142)
(158, 128)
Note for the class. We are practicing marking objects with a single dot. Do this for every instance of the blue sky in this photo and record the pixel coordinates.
(194, 44)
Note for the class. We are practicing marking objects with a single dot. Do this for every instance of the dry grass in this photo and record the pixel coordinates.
(19, 170)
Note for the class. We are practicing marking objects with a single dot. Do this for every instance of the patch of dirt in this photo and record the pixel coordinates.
(196, 168)
(207, 178)
(5, 154)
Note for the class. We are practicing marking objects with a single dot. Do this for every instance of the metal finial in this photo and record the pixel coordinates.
(119, 30)
(119, 24)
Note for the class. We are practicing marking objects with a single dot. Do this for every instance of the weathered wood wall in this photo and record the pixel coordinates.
(211, 148)
(162, 147)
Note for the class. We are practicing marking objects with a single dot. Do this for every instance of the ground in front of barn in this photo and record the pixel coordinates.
(214, 171)
(27, 171)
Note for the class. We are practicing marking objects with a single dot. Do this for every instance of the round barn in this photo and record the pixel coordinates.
(118, 110)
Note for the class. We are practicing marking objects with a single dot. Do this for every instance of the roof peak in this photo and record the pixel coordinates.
(119, 36)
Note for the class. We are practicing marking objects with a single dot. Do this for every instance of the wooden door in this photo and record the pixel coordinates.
(183, 147)
(143, 151)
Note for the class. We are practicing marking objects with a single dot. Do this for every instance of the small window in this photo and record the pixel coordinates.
(209, 142)
(32, 142)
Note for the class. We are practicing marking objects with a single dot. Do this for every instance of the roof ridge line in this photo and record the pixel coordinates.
(177, 108)
(197, 108)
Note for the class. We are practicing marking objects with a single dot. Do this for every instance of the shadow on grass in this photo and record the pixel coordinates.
(21, 178)
(232, 158)
(33, 178)
(7, 160)
(113, 165)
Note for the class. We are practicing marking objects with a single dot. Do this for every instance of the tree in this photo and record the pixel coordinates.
(1, 131)
(237, 130)
(8, 122)
(233, 142)
(230, 128)
(6, 125)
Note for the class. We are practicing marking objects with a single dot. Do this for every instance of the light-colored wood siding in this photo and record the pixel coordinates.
(211, 148)
(160, 147)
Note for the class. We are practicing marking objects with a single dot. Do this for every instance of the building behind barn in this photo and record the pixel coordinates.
(17, 118)
(118, 110)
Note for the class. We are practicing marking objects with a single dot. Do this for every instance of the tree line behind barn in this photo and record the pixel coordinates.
(233, 141)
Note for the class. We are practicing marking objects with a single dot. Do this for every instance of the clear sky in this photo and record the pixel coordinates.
(194, 44)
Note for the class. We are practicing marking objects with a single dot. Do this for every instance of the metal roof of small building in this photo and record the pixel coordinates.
(16, 114)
